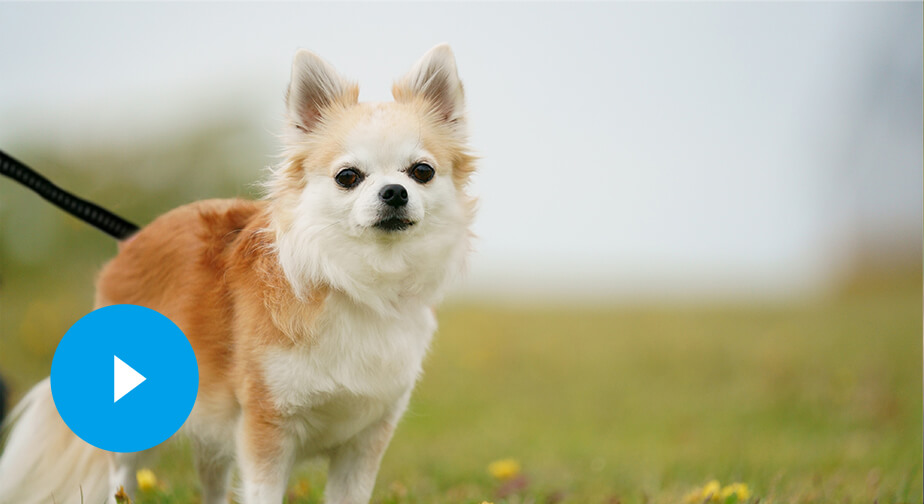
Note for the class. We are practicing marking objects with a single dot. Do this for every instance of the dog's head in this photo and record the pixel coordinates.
(370, 197)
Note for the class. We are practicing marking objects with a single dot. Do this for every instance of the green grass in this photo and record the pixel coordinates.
(600, 404)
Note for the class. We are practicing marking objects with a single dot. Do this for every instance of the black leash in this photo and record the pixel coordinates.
(94, 215)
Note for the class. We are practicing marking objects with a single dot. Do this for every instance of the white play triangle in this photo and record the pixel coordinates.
(125, 379)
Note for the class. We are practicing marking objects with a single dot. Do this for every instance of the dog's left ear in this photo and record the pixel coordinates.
(314, 88)
(435, 79)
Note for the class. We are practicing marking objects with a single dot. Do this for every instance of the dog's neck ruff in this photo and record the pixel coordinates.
(382, 275)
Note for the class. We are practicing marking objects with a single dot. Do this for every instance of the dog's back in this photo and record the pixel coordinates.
(197, 265)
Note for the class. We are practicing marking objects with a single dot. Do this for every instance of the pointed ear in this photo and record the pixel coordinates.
(435, 79)
(315, 86)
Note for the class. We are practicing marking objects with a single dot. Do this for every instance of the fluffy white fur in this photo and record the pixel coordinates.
(46, 455)
(330, 236)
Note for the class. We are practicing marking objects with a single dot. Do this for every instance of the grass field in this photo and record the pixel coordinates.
(599, 404)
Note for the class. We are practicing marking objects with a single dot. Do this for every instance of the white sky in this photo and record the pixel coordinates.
(630, 149)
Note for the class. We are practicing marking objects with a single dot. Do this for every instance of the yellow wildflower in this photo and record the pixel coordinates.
(301, 489)
(739, 490)
(146, 479)
(121, 497)
(711, 490)
(714, 492)
(504, 469)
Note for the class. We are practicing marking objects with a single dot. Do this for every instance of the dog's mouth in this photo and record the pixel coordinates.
(393, 224)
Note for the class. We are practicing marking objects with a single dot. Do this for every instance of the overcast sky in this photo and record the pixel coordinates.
(633, 149)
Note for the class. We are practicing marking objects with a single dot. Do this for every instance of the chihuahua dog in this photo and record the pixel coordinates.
(310, 311)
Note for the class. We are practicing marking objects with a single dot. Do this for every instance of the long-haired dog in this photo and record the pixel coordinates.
(309, 312)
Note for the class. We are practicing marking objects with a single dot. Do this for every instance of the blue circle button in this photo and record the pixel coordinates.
(124, 378)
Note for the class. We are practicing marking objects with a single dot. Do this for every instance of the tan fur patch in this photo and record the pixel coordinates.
(210, 268)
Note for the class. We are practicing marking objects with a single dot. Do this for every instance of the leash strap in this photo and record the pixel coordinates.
(94, 215)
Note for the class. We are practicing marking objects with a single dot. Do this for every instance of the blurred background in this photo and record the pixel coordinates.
(700, 230)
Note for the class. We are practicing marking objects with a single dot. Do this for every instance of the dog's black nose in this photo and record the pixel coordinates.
(394, 195)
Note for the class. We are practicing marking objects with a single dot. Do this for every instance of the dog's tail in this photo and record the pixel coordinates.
(44, 462)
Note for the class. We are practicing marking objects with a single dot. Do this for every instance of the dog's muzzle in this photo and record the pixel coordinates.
(394, 224)
(393, 216)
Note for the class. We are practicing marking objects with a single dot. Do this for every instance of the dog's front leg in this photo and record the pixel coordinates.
(355, 464)
(265, 456)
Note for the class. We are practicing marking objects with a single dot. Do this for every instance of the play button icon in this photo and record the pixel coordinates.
(124, 378)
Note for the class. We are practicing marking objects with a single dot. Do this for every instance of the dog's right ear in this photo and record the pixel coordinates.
(315, 86)
(435, 79)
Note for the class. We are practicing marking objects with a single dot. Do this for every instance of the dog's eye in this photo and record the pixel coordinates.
(421, 172)
(348, 178)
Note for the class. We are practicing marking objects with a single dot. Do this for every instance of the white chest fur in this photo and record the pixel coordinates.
(358, 366)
